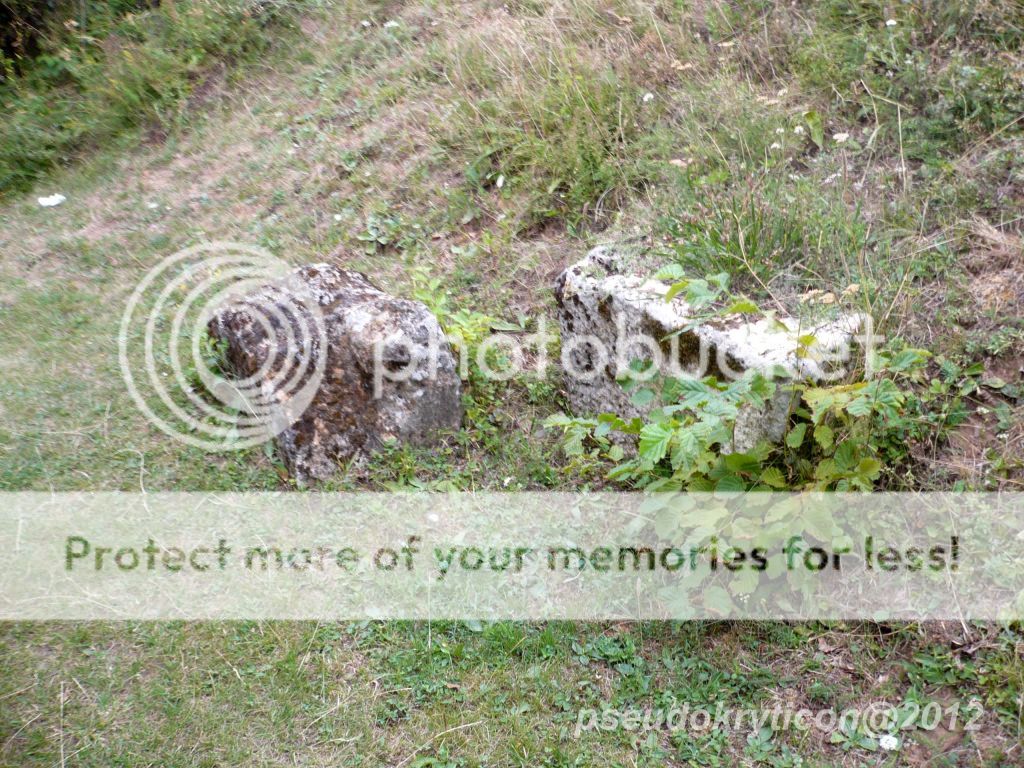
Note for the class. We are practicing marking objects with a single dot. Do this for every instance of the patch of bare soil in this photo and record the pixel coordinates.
(984, 451)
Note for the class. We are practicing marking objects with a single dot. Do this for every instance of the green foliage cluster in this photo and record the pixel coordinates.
(838, 437)
(110, 66)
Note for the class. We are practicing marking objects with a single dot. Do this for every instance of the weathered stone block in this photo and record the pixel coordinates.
(389, 373)
(612, 312)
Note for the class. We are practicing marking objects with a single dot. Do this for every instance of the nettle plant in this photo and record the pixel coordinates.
(837, 437)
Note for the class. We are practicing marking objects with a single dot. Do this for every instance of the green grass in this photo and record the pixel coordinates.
(493, 694)
(110, 67)
(383, 145)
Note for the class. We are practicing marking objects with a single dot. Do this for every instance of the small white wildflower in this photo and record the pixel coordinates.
(365, 22)
(840, 138)
(52, 200)
(799, 130)
(775, 145)
(890, 22)
(152, 206)
(500, 182)
(648, 97)
(889, 742)
(391, 24)
(337, 217)
(780, 131)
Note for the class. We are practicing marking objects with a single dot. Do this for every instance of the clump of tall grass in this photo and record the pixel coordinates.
(555, 105)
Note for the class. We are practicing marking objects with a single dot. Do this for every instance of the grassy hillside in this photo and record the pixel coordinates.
(873, 152)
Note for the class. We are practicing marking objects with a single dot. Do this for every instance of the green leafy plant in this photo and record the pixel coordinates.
(386, 229)
(687, 444)
(837, 437)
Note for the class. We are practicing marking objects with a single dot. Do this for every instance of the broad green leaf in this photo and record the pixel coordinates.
(773, 476)
(742, 464)
(731, 484)
(721, 280)
(795, 438)
(698, 294)
(670, 272)
(908, 359)
(557, 420)
(974, 370)
(642, 397)
(654, 439)
(742, 307)
(686, 449)
(860, 406)
(869, 468)
(667, 522)
(825, 471)
(717, 600)
(744, 582)
(846, 456)
(573, 444)
(815, 126)
(820, 401)
(675, 289)
(709, 516)
(824, 436)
